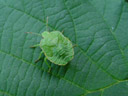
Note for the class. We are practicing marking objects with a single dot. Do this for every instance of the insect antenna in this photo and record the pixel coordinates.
(47, 24)
(34, 33)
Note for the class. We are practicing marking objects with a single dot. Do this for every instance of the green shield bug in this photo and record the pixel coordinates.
(57, 48)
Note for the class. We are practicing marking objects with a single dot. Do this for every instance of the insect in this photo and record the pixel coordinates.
(57, 48)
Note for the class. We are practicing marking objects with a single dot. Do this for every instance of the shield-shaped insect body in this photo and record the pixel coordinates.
(57, 48)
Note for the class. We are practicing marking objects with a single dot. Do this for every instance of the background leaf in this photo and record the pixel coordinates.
(98, 27)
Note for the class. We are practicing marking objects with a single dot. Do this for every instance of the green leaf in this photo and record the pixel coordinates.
(98, 27)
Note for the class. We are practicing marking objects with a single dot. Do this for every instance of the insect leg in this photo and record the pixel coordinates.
(39, 57)
(62, 31)
(75, 45)
(34, 46)
(45, 60)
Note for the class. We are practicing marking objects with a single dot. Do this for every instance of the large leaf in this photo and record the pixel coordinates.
(98, 27)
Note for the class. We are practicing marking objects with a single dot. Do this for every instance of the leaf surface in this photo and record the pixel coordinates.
(98, 27)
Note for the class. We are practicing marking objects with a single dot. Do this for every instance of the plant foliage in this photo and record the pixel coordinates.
(100, 64)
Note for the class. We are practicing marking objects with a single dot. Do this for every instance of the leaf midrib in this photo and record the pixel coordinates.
(7, 93)
(42, 69)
